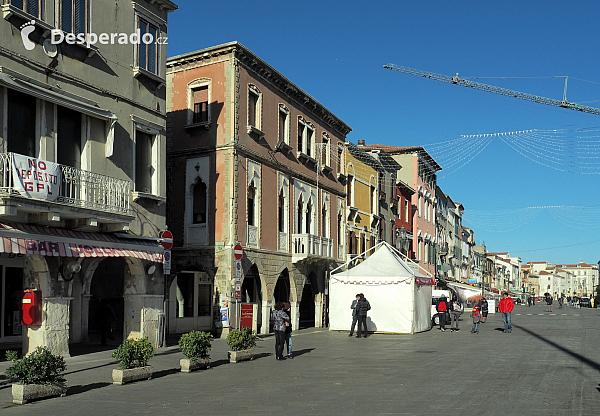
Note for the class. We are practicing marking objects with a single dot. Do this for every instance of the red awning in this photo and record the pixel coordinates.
(21, 238)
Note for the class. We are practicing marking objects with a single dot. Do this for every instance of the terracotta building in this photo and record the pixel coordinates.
(252, 159)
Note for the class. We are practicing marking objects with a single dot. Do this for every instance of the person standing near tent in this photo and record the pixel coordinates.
(362, 307)
(505, 307)
(442, 307)
(455, 311)
(354, 315)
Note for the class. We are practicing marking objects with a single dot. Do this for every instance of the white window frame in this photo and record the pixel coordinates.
(157, 22)
(157, 192)
(193, 86)
(308, 136)
(283, 110)
(326, 142)
(257, 127)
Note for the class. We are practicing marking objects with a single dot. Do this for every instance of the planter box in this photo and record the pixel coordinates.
(187, 365)
(23, 393)
(236, 356)
(131, 374)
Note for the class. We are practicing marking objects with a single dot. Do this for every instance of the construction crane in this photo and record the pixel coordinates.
(496, 90)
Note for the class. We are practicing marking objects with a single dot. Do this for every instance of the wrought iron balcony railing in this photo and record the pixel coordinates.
(76, 188)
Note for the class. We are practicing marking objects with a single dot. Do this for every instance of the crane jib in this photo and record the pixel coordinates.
(456, 80)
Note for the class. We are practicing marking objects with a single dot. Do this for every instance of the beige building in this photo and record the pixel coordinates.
(253, 160)
(82, 178)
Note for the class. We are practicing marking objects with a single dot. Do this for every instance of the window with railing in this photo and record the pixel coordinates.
(200, 104)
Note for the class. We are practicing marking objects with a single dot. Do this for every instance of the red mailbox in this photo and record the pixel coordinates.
(31, 307)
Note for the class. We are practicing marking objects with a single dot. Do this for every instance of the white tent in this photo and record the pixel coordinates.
(400, 297)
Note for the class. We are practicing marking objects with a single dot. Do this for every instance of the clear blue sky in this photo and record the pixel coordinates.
(335, 51)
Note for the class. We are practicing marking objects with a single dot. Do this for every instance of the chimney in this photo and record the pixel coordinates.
(361, 142)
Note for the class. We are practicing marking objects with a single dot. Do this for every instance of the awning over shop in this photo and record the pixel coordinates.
(20, 238)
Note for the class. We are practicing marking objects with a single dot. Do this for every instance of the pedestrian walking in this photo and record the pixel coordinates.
(287, 308)
(442, 308)
(529, 301)
(484, 310)
(455, 311)
(279, 318)
(506, 307)
(560, 303)
(476, 315)
(354, 315)
(549, 302)
(362, 307)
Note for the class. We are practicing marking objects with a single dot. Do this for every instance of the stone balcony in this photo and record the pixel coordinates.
(311, 247)
(38, 191)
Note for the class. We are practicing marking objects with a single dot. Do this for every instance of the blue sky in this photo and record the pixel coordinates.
(335, 51)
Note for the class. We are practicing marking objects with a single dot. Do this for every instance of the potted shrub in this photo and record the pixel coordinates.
(133, 356)
(195, 346)
(39, 375)
(241, 344)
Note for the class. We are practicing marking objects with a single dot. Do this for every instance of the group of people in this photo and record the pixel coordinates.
(360, 306)
(479, 313)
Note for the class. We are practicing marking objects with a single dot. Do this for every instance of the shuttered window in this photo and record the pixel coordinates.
(21, 123)
(33, 7)
(143, 162)
(74, 16)
(200, 104)
(148, 46)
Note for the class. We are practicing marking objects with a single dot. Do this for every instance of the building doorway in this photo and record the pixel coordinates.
(282, 287)
(252, 292)
(307, 304)
(106, 292)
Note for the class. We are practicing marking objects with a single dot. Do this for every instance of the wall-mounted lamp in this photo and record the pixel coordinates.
(151, 269)
(67, 271)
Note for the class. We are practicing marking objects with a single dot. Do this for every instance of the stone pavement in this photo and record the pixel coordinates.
(549, 365)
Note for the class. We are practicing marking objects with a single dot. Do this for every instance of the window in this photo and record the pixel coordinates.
(32, 7)
(74, 16)
(251, 204)
(143, 162)
(373, 200)
(309, 214)
(299, 213)
(281, 212)
(193, 291)
(340, 228)
(406, 210)
(148, 46)
(325, 150)
(200, 110)
(199, 203)
(254, 107)
(68, 137)
(325, 221)
(284, 124)
(340, 155)
(21, 135)
(349, 191)
(306, 137)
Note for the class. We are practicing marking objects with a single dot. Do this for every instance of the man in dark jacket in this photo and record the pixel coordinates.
(354, 315)
(362, 306)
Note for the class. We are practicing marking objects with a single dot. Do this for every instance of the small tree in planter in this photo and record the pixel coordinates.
(39, 375)
(241, 344)
(195, 346)
(133, 356)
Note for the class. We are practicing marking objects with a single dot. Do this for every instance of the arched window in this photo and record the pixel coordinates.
(308, 217)
(281, 211)
(199, 203)
(324, 222)
(300, 212)
(251, 204)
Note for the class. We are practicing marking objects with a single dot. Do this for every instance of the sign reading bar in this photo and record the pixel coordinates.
(36, 178)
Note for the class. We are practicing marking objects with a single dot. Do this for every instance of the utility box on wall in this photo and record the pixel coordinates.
(31, 307)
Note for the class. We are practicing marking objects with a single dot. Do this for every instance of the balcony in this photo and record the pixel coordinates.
(311, 247)
(37, 187)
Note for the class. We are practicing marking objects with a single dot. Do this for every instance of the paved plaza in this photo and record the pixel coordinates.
(549, 365)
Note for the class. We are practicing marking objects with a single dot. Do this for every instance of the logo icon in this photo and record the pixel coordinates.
(26, 30)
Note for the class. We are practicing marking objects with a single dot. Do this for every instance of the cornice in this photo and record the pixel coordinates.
(263, 70)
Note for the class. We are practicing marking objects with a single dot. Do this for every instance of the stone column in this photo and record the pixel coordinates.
(54, 330)
(85, 317)
(266, 316)
(295, 310)
(141, 316)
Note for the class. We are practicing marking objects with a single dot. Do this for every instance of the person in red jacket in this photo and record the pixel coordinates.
(442, 308)
(505, 307)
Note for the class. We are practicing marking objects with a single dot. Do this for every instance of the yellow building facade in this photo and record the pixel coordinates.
(362, 201)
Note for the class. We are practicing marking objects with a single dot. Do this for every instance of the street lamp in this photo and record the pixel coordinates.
(402, 235)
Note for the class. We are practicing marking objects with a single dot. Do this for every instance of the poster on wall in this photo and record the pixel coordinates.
(36, 178)
(224, 315)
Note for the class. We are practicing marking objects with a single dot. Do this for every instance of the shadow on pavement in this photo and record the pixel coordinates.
(217, 363)
(163, 373)
(82, 389)
(301, 352)
(573, 354)
(262, 355)
(113, 363)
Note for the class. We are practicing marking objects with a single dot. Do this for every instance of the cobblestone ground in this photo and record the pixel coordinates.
(548, 365)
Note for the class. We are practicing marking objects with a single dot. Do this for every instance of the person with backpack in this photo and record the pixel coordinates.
(484, 307)
(476, 315)
(362, 307)
(549, 302)
(442, 308)
(505, 307)
(455, 311)
(354, 315)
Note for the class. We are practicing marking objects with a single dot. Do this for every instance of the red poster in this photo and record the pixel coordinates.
(246, 315)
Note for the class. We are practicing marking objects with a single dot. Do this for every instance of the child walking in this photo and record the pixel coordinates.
(476, 315)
